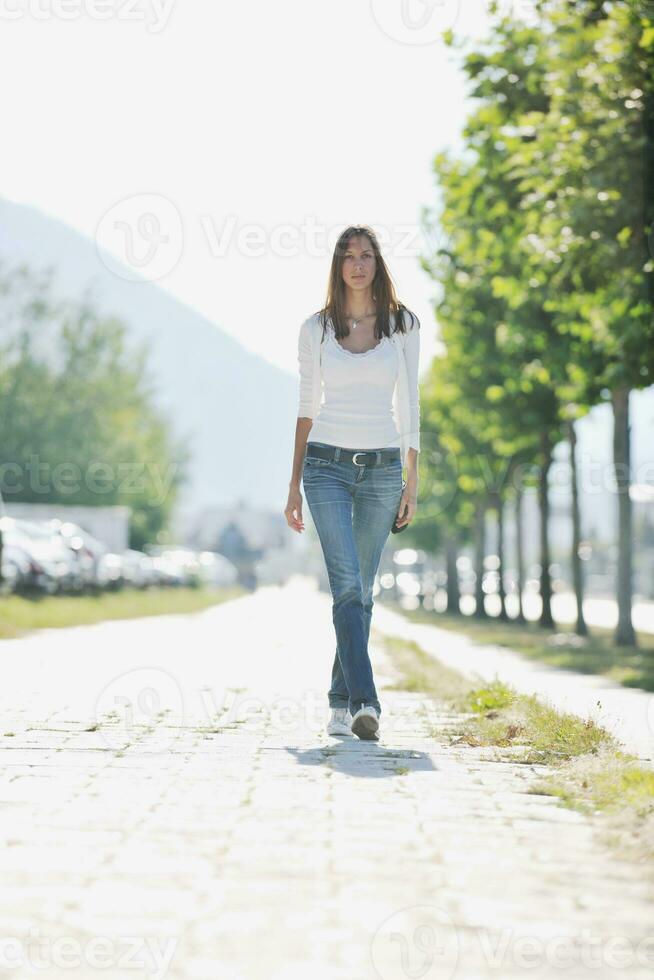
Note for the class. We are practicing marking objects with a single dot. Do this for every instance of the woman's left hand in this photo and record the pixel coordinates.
(409, 501)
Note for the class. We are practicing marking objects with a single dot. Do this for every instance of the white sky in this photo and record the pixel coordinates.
(276, 115)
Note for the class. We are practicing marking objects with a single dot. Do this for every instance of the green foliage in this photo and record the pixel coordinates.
(543, 236)
(493, 696)
(76, 411)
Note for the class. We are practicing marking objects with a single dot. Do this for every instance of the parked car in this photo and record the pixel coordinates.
(16, 567)
(52, 565)
(87, 553)
(175, 566)
(56, 556)
(138, 569)
(110, 571)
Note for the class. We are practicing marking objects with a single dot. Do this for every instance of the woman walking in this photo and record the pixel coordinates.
(362, 348)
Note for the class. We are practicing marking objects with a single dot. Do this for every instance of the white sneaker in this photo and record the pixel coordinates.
(365, 722)
(340, 722)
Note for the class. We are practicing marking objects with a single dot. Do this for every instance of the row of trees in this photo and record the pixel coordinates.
(78, 423)
(546, 270)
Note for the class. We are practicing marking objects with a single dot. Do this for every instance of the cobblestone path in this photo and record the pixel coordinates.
(170, 806)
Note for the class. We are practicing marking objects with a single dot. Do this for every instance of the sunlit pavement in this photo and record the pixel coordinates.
(171, 806)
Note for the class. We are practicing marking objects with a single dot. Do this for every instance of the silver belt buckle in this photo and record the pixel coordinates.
(354, 458)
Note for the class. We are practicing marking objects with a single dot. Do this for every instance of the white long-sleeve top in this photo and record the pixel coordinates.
(371, 398)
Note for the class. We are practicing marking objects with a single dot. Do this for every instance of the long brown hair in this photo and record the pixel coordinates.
(383, 290)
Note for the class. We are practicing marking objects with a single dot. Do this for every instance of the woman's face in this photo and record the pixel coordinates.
(359, 263)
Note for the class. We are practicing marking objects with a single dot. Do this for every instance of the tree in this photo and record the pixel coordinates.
(591, 168)
(76, 408)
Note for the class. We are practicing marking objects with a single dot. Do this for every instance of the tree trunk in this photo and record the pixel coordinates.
(520, 561)
(546, 619)
(480, 554)
(452, 572)
(500, 555)
(577, 568)
(624, 633)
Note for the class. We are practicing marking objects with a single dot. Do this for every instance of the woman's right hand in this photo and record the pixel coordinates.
(293, 510)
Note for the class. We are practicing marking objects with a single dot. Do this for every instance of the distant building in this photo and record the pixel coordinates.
(110, 525)
(256, 530)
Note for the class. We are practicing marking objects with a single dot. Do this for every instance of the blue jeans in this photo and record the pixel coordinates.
(353, 507)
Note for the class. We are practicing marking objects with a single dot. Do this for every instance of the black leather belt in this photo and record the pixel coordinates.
(360, 457)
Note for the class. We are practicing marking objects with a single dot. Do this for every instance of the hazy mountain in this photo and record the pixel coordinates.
(217, 393)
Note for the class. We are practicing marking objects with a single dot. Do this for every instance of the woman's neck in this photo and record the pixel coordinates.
(359, 304)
